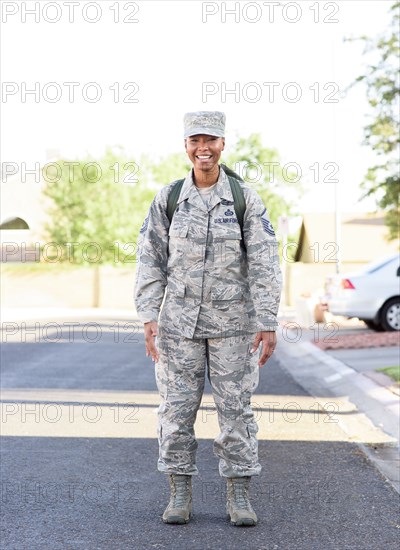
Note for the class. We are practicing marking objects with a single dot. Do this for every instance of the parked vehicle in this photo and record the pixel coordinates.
(372, 295)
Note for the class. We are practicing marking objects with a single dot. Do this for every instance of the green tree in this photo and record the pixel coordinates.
(96, 209)
(381, 77)
(263, 169)
(172, 167)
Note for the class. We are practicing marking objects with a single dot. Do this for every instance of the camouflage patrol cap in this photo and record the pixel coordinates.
(211, 123)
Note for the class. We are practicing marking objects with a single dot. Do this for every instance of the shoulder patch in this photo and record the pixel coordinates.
(267, 225)
(143, 229)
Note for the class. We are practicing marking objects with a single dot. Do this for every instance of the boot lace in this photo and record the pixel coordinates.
(240, 497)
(180, 493)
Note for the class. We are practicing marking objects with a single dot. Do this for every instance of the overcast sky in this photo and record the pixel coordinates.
(168, 56)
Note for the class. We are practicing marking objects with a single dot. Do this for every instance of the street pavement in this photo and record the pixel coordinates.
(79, 452)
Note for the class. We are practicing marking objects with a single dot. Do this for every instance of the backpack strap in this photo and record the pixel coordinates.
(173, 198)
(230, 172)
(237, 194)
(239, 202)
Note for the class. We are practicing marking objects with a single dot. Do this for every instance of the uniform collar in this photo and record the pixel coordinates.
(221, 191)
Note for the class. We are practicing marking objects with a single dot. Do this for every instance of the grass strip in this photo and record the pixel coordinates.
(393, 372)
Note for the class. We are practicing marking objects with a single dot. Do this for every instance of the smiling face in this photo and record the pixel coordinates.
(204, 151)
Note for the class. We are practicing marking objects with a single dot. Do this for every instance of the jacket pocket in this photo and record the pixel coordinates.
(177, 243)
(226, 293)
(178, 229)
(176, 289)
(227, 252)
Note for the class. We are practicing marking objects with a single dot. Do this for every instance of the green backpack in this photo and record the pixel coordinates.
(237, 194)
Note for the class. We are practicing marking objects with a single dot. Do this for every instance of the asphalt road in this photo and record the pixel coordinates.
(61, 492)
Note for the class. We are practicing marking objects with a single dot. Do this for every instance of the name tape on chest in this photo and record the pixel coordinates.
(225, 220)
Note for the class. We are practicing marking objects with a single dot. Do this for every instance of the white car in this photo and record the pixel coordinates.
(372, 295)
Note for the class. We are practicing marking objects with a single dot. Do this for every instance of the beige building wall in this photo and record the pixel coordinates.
(66, 287)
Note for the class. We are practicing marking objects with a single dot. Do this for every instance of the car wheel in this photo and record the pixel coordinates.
(390, 315)
(372, 325)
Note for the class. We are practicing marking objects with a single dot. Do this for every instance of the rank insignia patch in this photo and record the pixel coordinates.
(144, 226)
(267, 225)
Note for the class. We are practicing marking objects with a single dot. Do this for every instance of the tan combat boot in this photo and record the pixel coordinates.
(238, 506)
(179, 509)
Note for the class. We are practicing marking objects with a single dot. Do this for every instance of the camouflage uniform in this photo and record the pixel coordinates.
(217, 295)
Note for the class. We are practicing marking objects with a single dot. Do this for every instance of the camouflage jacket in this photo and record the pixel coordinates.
(211, 285)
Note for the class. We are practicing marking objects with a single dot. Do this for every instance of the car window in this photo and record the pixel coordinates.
(376, 266)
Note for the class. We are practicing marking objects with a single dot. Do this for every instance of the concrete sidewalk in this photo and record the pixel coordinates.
(367, 359)
(18, 314)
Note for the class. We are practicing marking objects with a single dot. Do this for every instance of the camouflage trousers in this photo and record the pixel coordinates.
(233, 374)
